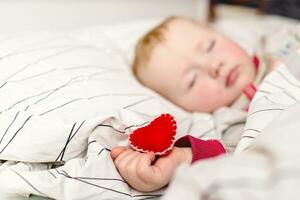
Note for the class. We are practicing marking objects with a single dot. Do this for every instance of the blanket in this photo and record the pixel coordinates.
(66, 100)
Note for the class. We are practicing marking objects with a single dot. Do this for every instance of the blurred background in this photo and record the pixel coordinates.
(287, 8)
(18, 15)
(69, 14)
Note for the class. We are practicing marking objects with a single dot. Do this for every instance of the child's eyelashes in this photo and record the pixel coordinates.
(211, 46)
(193, 80)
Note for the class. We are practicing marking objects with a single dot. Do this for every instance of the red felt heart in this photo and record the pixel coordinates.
(158, 136)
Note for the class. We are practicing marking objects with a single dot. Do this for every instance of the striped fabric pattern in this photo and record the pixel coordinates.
(278, 91)
(64, 103)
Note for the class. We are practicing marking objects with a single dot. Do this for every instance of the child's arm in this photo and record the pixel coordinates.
(141, 173)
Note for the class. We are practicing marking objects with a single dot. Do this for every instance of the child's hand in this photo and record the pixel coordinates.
(139, 172)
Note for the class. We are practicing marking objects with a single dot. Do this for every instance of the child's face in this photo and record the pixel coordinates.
(197, 68)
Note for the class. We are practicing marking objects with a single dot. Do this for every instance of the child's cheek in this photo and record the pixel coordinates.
(236, 51)
(211, 95)
(232, 50)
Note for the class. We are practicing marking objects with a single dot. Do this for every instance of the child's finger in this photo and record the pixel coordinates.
(124, 159)
(144, 169)
(115, 152)
(128, 169)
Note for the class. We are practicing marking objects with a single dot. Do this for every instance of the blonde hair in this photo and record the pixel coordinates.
(148, 42)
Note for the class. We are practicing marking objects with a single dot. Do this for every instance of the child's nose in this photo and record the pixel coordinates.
(214, 69)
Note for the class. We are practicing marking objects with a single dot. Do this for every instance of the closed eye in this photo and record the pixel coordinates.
(193, 81)
(211, 46)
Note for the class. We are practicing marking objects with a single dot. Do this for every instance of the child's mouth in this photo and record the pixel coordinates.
(232, 76)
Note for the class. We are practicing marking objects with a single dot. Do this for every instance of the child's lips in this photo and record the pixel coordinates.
(232, 76)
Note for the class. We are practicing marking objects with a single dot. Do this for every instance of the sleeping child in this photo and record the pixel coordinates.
(197, 69)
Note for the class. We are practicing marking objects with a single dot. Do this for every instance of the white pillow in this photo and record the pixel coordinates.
(56, 88)
(253, 31)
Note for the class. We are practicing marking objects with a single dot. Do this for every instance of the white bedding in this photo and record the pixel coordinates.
(66, 100)
(70, 97)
